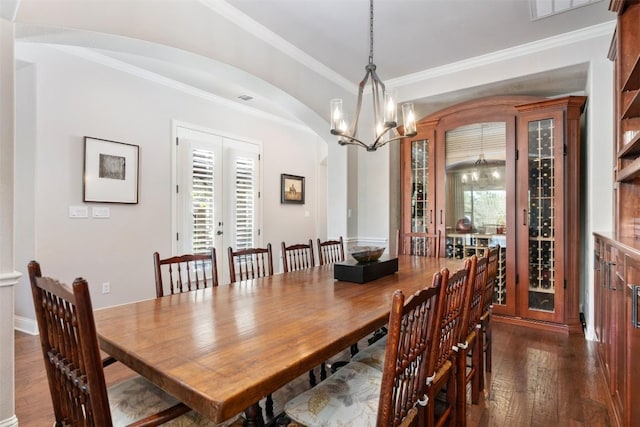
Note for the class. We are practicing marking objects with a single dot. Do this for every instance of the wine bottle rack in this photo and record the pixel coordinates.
(419, 186)
(460, 246)
(542, 193)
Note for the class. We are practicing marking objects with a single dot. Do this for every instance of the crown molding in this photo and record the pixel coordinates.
(561, 40)
(261, 32)
(98, 58)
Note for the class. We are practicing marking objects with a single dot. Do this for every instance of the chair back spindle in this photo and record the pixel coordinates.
(330, 251)
(70, 349)
(410, 341)
(492, 270)
(250, 263)
(475, 293)
(450, 314)
(421, 244)
(185, 272)
(298, 256)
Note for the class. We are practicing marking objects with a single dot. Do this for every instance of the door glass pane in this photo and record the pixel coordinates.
(475, 193)
(245, 196)
(202, 200)
(420, 203)
(541, 216)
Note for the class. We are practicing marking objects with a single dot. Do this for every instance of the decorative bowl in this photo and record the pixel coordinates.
(365, 254)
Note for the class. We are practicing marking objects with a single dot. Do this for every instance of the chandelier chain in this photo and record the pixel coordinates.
(371, 32)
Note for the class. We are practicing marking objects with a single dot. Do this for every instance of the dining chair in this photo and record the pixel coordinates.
(75, 374)
(363, 395)
(250, 263)
(421, 244)
(330, 251)
(487, 308)
(185, 272)
(469, 345)
(297, 256)
(442, 362)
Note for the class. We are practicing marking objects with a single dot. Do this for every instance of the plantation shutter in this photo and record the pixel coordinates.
(202, 196)
(245, 199)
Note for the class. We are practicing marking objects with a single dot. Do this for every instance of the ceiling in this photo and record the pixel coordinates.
(238, 41)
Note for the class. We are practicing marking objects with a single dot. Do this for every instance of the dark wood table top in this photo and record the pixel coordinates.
(222, 349)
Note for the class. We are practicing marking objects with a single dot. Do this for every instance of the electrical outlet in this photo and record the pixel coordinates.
(106, 287)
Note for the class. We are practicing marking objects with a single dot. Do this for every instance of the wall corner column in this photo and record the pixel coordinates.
(8, 276)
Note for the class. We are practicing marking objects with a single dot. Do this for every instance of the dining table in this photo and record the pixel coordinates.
(222, 349)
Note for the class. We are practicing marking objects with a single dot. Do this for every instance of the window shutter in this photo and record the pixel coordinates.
(202, 196)
(245, 195)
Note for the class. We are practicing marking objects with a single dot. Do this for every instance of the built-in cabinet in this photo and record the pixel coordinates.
(616, 324)
(504, 170)
(617, 254)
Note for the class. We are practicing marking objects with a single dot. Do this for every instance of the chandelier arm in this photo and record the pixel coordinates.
(353, 141)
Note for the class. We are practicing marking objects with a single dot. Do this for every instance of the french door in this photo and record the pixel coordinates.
(217, 195)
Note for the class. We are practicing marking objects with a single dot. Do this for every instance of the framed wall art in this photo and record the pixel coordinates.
(291, 189)
(110, 171)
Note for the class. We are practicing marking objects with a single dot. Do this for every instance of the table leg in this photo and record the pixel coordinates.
(254, 416)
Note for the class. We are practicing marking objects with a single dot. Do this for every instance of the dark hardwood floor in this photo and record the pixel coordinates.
(539, 379)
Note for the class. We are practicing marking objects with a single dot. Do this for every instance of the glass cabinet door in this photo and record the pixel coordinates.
(544, 277)
(421, 209)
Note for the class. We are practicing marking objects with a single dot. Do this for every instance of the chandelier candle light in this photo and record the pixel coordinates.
(384, 109)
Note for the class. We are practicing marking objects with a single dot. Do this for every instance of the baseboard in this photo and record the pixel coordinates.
(9, 422)
(553, 327)
(26, 325)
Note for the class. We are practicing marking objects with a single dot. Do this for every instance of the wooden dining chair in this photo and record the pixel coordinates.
(297, 256)
(363, 395)
(442, 362)
(74, 368)
(185, 272)
(330, 251)
(487, 307)
(251, 263)
(421, 244)
(469, 347)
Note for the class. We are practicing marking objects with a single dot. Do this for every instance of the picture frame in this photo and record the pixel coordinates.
(111, 171)
(291, 189)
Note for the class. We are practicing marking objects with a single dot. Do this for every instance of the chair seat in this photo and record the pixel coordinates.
(350, 397)
(136, 398)
(373, 355)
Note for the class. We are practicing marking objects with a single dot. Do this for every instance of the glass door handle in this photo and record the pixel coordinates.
(524, 217)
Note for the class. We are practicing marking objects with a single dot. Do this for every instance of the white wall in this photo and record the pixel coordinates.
(75, 97)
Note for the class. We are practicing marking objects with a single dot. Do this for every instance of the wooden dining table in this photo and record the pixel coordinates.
(220, 350)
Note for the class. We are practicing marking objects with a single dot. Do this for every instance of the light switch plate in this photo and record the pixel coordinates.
(100, 212)
(78, 212)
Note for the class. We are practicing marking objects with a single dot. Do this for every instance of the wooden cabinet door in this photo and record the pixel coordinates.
(540, 216)
(598, 260)
(633, 349)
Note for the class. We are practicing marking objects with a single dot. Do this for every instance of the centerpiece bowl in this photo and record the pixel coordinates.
(364, 254)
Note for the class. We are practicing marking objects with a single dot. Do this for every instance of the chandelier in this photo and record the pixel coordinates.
(384, 109)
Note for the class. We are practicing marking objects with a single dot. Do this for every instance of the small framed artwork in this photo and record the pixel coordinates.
(110, 171)
(291, 189)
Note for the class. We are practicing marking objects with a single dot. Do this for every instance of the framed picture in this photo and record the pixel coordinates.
(110, 171)
(291, 189)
